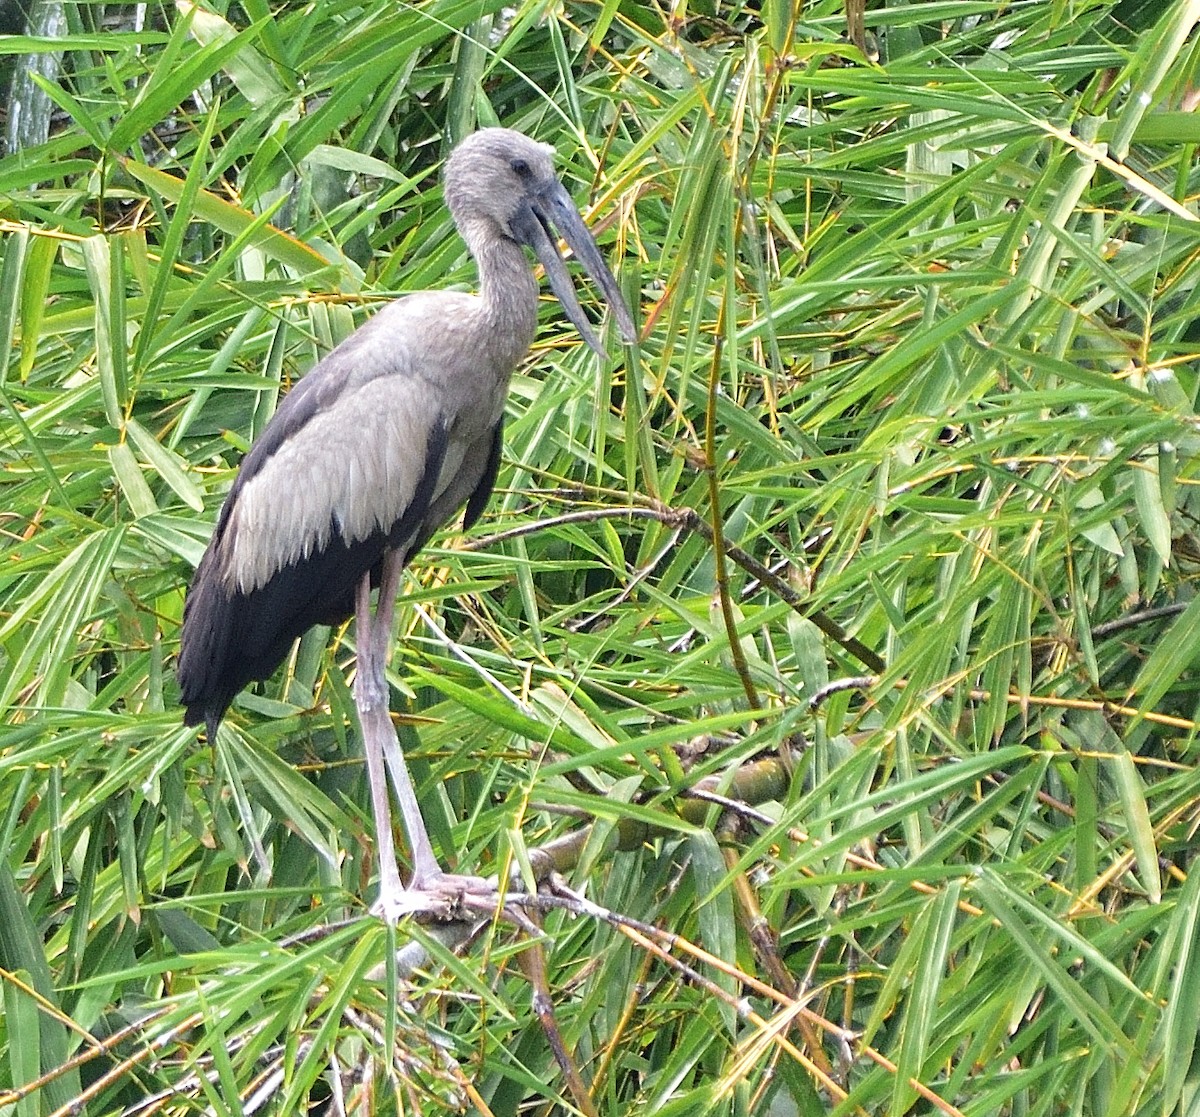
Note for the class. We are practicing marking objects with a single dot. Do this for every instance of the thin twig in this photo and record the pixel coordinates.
(691, 520)
(632, 584)
(1101, 705)
(854, 682)
(716, 529)
(1121, 170)
(662, 942)
(94, 1089)
(583, 516)
(95, 1047)
(533, 965)
(1132, 620)
(766, 946)
(1051, 701)
(782, 590)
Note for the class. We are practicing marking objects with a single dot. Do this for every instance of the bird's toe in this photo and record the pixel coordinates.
(437, 896)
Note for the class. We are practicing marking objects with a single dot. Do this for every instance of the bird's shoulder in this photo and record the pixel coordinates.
(401, 344)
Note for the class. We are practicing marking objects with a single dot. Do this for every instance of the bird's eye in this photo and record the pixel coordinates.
(521, 169)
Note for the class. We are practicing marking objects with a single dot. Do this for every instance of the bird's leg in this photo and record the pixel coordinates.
(430, 889)
(371, 699)
(425, 866)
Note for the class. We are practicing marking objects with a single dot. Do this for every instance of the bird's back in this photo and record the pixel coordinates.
(376, 448)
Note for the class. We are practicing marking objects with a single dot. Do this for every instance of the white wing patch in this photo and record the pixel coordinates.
(357, 465)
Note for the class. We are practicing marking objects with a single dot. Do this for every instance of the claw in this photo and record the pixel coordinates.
(438, 895)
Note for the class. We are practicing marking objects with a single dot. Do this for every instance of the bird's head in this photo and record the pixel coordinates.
(505, 180)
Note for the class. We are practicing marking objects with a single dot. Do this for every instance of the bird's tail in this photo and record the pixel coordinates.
(210, 716)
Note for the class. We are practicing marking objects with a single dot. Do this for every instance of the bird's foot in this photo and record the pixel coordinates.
(435, 895)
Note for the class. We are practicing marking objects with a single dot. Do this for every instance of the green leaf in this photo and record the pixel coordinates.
(904, 330)
(1137, 819)
(1147, 496)
(250, 71)
(232, 219)
(128, 475)
(1174, 652)
(22, 953)
(171, 468)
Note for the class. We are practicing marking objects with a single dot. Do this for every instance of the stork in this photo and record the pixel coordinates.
(374, 450)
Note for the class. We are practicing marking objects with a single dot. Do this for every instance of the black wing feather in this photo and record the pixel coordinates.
(230, 640)
(477, 501)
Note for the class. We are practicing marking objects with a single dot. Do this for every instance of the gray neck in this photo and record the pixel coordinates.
(508, 295)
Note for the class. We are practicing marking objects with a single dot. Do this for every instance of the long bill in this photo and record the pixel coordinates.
(551, 208)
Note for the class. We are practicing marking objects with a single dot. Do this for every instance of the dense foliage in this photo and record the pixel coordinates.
(838, 641)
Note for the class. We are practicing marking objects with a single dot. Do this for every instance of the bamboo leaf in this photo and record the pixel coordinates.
(1087, 1010)
(129, 476)
(232, 219)
(924, 1004)
(1137, 818)
(250, 71)
(1181, 1014)
(1178, 649)
(110, 347)
(912, 333)
(22, 953)
(1147, 496)
(11, 276)
(171, 468)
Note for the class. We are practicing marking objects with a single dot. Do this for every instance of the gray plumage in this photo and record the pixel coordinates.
(386, 438)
